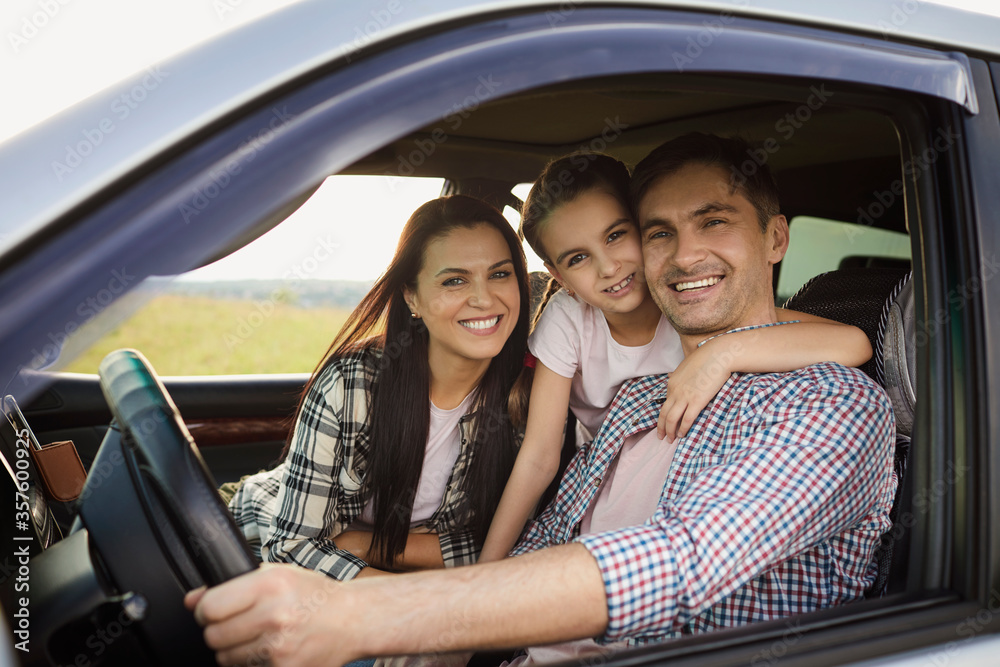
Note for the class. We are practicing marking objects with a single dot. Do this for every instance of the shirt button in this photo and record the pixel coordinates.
(597, 481)
(636, 421)
(463, 441)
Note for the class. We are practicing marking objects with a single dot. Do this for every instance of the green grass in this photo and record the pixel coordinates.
(182, 335)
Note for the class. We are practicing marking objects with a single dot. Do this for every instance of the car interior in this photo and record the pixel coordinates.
(838, 155)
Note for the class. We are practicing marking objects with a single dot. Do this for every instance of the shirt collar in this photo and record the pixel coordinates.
(658, 392)
(748, 328)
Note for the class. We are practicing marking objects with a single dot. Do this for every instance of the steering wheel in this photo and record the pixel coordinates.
(169, 463)
(150, 527)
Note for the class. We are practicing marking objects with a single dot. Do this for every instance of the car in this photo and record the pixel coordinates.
(879, 120)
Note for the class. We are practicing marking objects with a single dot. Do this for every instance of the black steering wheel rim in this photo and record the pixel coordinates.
(152, 426)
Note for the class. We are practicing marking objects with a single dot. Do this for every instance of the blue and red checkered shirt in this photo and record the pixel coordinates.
(773, 504)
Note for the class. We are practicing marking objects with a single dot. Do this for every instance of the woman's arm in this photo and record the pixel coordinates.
(422, 552)
(766, 350)
(305, 508)
(537, 462)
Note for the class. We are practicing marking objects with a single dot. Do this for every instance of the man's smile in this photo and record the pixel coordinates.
(699, 284)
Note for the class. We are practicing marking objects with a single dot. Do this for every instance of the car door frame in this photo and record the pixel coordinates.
(412, 83)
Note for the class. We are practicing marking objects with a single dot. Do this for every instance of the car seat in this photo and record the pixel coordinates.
(898, 368)
(880, 303)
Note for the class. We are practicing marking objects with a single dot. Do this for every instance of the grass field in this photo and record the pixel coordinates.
(184, 335)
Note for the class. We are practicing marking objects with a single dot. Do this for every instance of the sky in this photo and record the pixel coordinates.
(58, 52)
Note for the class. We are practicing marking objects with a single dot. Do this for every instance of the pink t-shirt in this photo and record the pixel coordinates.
(573, 339)
(444, 443)
(633, 485)
(629, 494)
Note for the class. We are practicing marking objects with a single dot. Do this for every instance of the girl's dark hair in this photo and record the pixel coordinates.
(399, 416)
(563, 180)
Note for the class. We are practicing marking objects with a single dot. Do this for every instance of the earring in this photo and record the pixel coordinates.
(414, 315)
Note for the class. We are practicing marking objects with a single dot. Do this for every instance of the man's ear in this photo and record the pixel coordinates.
(777, 237)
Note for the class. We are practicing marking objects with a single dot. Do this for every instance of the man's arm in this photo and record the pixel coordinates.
(814, 463)
(296, 617)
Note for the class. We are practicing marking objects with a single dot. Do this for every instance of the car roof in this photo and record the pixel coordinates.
(47, 178)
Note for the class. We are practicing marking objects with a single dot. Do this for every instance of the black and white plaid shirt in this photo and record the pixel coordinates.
(290, 514)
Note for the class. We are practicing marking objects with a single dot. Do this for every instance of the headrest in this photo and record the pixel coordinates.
(852, 296)
(898, 365)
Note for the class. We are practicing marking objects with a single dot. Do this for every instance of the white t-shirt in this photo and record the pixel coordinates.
(444, 444)
(573, 339)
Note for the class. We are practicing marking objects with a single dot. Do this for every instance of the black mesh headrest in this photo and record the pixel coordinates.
(852, 296)
(898, 365)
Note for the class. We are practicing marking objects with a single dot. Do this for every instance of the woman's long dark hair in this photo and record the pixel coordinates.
(399, 416)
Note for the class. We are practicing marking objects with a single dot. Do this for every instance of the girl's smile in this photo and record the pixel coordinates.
(595, 250)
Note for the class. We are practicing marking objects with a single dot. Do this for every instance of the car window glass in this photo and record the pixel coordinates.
(275, 305)
(817, 245)
(514, 217)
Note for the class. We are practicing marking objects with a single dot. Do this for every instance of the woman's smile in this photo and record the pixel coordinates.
(467, 294)
(483, 326)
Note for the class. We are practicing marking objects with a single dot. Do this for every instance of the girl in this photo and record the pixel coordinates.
(401, 444)
(603, 328)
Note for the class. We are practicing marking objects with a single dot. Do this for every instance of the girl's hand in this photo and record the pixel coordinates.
(697, 380)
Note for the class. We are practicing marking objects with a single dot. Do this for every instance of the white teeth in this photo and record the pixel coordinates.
(707, 282)
(620, 286)
(480, 324)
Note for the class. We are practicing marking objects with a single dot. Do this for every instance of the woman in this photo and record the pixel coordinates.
(402, 443)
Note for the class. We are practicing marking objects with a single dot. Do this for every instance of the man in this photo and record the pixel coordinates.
(771, 505)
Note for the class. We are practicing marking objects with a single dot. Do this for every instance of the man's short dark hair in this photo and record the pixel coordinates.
(752, 179)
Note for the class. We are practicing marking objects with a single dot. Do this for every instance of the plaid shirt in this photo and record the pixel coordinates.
(773, 505)
(290, 513)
